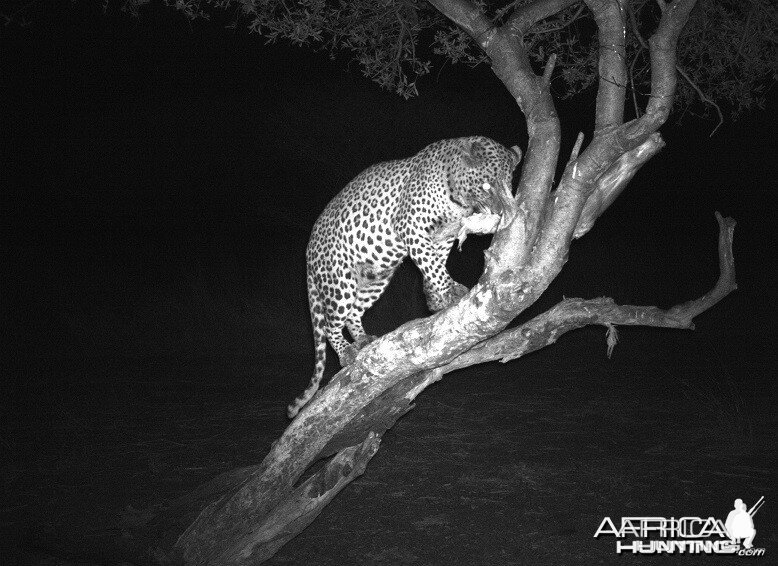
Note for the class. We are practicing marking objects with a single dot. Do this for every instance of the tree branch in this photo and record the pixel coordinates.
(528, 15)
(610, 184)
(579, 181)
(703, 97)
(532, 94)
(468, 16)
(635, 56)
(255, 511)
(610, 16)
(663, 45)
(546, 328)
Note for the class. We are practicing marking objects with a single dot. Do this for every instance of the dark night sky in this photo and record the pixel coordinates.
(159, 183)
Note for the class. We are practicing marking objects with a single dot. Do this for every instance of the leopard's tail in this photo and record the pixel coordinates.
(320, 349)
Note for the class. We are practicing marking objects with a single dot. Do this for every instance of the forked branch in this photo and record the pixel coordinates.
(588, 187)
(662, 48)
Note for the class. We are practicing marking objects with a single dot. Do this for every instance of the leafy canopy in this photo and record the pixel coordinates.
(727, 53)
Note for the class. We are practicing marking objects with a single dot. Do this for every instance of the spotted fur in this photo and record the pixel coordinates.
(389, 211)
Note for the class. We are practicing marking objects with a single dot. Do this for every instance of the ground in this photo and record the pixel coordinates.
(500, 464)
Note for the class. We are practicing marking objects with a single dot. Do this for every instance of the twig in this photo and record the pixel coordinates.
(576, 149)
(643, 46)
(549, 68)
(745, 31)
(703, 97)
(562, 26)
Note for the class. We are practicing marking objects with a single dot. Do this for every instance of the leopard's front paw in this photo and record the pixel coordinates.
(436, 302)
(456, 292)
(439, 302)
(351, 351)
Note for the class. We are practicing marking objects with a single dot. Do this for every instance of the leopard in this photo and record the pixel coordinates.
(388, 212)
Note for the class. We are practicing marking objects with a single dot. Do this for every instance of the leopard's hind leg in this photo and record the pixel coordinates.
(371, 283)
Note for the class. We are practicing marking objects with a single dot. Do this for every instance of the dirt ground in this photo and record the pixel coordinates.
(500, 464)
(144, 365)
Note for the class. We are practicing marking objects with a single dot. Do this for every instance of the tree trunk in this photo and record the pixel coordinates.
(245, 516)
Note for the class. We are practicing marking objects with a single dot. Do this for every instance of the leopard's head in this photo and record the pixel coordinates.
(480, 174)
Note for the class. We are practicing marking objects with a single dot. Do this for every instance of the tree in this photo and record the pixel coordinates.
(243, 517)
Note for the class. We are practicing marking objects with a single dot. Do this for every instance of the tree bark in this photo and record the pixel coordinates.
(245, 516)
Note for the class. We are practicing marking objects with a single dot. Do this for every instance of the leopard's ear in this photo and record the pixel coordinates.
(517, 151)
(472, 153)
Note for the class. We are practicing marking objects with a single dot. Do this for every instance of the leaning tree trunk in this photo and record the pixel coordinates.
(245, 516)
